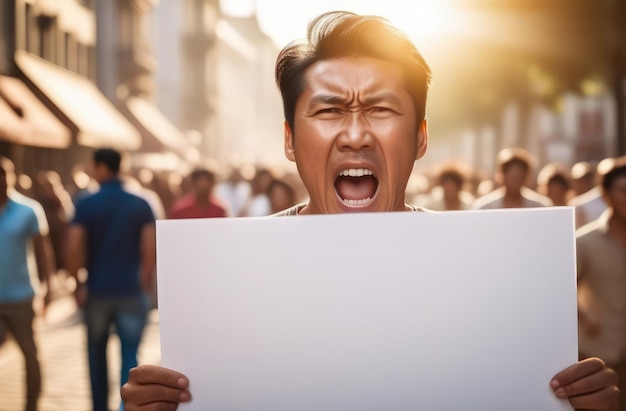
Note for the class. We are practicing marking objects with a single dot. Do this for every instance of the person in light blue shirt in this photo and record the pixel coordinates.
(23, 242)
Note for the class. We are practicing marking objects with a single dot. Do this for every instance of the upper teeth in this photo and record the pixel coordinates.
(356, 172)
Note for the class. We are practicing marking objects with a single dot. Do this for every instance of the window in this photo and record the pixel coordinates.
(71, 57)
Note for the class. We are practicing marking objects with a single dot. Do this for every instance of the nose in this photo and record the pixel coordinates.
(356, 133)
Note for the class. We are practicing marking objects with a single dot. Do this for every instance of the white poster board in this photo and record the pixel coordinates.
(380, 312)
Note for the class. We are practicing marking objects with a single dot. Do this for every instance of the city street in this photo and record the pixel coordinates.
(63, 358)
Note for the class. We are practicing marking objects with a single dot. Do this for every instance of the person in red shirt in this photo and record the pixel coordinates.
(200, 202)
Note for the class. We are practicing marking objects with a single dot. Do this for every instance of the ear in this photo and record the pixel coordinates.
(288, 144)
(422, 139)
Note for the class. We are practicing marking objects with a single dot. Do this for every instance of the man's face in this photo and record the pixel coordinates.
(514, 176)
(203, 186)
(616, 197)
(355, 137)
(557, 192)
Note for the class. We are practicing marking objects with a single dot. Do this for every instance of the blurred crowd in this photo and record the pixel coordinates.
(518, 182)
(252, 191)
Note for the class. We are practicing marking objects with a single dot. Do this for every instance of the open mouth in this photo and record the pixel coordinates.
(356, 186)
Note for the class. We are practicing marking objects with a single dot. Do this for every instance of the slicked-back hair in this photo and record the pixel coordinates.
(338, 34)
(109, 157)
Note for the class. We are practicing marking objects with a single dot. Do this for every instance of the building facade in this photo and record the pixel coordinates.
(47, 88)
(216, 78)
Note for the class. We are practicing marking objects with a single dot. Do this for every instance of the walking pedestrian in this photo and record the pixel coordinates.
(23, 235)
(112, 236)
(601, 255)
(589, 203)
(514, 166)
(200, 202)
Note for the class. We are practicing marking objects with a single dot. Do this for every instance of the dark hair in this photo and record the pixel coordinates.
(554, 173)
(200, 173)
(3, 172)
(339, 34)
(560, 179)
(452, 171)
(514, 156)
(109, 157)
(611, 169)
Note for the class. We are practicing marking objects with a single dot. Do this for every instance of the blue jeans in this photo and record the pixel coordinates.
(128, 315)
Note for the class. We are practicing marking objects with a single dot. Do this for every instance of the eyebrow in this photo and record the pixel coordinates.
(382, 97)
(374, 99)
(326, 99)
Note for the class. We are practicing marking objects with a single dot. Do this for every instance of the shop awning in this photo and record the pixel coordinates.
(158, 132)
(93, 119)
(12, 127)
(39, 127)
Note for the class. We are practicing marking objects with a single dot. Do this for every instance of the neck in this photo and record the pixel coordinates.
(512, 198)
(513, 194)
(107, 177)
(202, 198)
(452, 202)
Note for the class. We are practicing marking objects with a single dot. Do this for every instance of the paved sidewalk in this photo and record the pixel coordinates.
(63, 359)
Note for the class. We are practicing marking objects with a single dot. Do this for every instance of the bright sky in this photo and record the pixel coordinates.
(286, 20)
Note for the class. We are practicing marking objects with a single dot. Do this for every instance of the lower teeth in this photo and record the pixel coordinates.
(357, 202)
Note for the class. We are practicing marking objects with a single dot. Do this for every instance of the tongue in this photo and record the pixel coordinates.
(356, 188)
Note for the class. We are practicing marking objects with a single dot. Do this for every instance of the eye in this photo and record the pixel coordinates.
(329, 113)
(329, 110)
(381, 111)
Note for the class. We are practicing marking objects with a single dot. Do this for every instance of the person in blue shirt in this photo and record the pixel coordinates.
(112, 236)
(23, 235)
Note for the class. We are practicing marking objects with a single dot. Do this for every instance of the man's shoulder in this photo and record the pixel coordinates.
(591, 232)
(29, 209)
(291, 211)
(183, 203)
(414, 207)
(20, 201)
(217, 203)
(493, 199)
(136, 198)
(534, 199)
(587, 197)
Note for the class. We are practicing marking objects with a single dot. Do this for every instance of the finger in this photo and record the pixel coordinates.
(152, 374)
(577, 371)
(594, 382)
(605, 399)
(143, 395)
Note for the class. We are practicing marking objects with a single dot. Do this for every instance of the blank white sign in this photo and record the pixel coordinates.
(370, 312)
